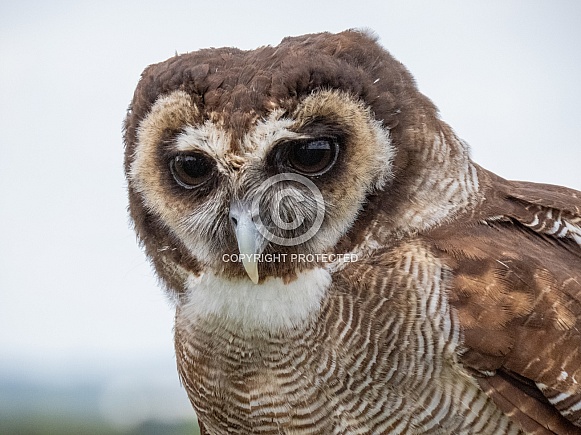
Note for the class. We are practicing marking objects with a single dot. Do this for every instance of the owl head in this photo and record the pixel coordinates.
(309, 147)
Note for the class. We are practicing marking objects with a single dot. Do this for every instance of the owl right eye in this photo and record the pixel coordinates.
(191, 170)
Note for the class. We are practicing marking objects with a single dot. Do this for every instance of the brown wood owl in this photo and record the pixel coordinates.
(338, 263)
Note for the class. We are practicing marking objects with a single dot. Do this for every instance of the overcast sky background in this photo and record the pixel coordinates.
(77, 295)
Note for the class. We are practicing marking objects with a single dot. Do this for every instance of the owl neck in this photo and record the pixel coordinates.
(434, 180)
(270, 307)
(446, 181)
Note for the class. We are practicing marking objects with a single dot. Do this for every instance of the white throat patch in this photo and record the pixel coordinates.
(269, 306)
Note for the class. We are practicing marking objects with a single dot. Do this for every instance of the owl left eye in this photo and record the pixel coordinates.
(313, 156)
(191, 170)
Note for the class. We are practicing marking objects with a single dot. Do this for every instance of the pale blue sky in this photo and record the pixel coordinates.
(76, 293)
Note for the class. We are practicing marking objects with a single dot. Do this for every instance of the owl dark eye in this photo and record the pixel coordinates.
(313, 156)
(191, 170)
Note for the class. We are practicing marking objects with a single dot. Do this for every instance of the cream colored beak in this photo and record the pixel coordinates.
(250, 241)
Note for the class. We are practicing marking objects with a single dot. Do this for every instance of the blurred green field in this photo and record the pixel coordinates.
(59, 426)
(89, 407)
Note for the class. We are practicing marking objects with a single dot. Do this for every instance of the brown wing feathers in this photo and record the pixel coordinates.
(517, 291)
(523, 402)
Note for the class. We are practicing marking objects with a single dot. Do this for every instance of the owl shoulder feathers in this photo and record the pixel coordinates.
(516, 264)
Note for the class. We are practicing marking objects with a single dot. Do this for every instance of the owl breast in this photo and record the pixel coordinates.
(377, 355)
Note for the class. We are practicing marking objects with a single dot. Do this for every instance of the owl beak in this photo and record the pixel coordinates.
(250, 241)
